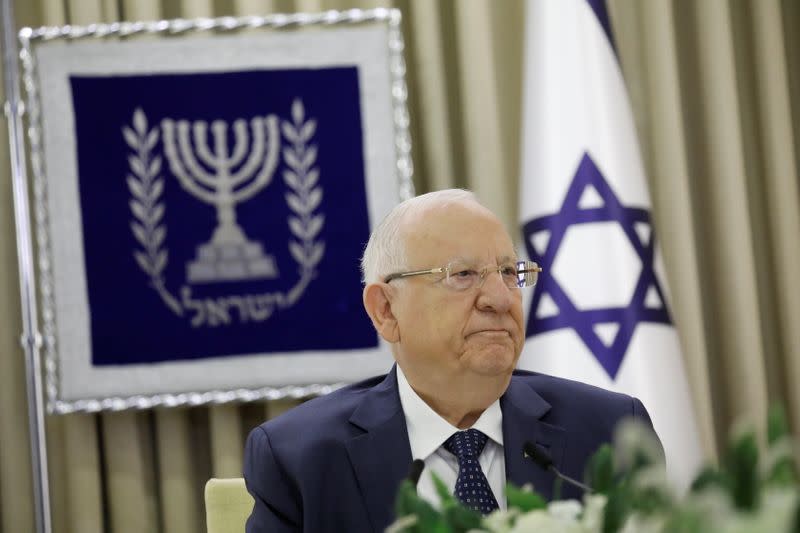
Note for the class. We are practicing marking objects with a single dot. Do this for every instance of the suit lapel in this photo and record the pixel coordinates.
(381, 456)
(523, 409)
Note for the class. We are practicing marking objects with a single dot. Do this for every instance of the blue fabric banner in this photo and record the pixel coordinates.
(221, 213)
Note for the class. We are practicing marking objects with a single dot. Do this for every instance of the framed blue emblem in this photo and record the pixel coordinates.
(203, 204)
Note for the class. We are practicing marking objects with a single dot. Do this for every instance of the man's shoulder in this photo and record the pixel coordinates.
(563, 393)
(322, 412)
(579, 407)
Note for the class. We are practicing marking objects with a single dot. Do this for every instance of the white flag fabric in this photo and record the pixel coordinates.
(600, 312)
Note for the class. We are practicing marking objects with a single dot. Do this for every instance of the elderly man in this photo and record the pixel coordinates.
(443, 287)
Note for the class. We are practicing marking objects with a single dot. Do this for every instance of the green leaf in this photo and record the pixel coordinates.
(650, 500)
(783, 473)
(780, 467)
(403, 505)
(409, 503)
(457, 518)
(795, 528)
(600, 470)
(777, 426)
(524, 500)
(741, 464)
(430, 521)
(617, 510)
(708, 477)
(685, 521)
(441, 490)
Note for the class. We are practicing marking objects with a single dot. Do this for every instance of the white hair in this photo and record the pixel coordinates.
(385, 252)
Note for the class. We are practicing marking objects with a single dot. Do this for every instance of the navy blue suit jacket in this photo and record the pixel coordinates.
(335, 463)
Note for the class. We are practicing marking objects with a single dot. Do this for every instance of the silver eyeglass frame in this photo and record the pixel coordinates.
(525, 269)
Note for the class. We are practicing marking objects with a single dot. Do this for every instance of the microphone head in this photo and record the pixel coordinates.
(538, 454)
(414, 473)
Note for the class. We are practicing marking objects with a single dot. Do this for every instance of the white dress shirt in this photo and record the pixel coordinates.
(427, 432)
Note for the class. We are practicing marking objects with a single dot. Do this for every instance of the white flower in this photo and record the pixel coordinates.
(631, 439)
(500, 521)
(565, 510)
(780, 450)
(594, 506)
(541, 521)
(654, 478)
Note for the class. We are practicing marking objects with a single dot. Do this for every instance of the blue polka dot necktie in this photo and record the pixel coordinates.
(472, 487)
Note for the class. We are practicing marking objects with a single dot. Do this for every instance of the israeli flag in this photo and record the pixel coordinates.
(600, 313)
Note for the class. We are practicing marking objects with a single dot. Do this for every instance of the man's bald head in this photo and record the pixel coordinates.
(386, 250)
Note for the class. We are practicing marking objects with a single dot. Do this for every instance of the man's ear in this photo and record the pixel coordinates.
(378, 303)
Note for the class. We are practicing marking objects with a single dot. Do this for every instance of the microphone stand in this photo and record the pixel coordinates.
(544, 461)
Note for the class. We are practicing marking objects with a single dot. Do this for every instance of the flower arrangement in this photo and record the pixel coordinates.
(745, 493)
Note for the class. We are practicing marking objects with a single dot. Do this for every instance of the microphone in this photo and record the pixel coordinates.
(414, 473)
(539, 456)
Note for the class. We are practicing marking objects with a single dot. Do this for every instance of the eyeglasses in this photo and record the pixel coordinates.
(461, 276)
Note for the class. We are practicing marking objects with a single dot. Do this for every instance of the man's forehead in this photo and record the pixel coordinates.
(467, 231)
(446, 214)
(480, 260)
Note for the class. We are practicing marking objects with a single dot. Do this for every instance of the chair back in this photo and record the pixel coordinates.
(228, 504)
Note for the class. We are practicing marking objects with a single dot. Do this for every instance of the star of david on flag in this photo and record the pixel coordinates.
(606, 331)
(600, 311)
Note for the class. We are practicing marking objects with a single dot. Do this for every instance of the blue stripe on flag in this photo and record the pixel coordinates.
(601, 11)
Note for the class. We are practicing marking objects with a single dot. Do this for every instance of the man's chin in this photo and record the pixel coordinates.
(493, 361)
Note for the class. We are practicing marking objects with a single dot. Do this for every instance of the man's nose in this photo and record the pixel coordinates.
(494, 294)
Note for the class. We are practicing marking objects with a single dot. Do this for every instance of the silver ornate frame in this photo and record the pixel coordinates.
(29, 37)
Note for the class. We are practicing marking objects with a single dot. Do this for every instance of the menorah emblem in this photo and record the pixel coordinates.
(224, 179)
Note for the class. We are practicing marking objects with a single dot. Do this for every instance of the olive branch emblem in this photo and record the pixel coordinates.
(302, 178)
(303, 197)
(146, 187)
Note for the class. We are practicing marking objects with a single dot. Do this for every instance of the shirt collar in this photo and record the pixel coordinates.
(427, 430)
